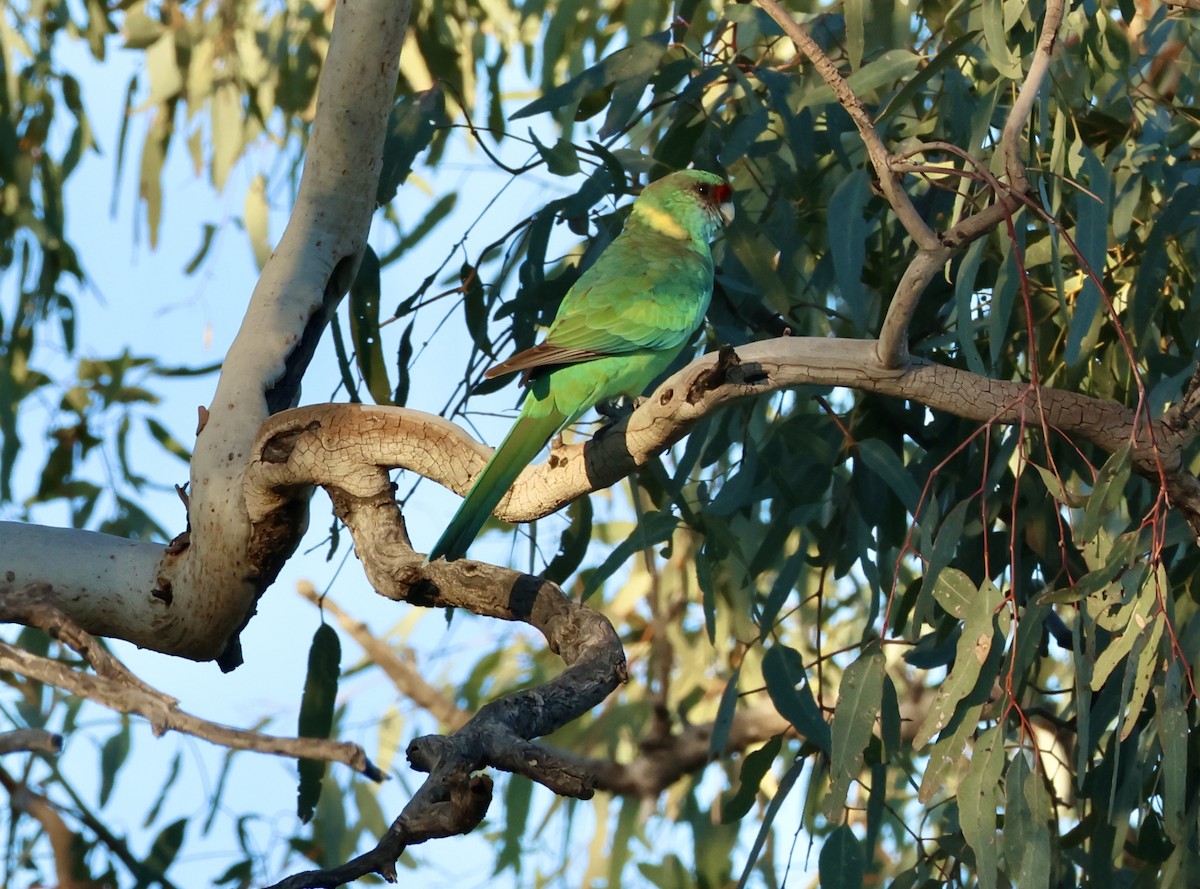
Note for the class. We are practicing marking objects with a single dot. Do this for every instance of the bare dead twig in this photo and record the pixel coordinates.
(30, 740)
(115, 687)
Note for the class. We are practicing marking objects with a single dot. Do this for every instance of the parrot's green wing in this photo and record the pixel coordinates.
(609, 312)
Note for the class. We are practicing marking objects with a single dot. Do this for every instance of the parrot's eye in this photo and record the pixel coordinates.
(703, 190)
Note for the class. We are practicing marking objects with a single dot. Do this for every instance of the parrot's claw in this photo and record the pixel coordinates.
(614, 411)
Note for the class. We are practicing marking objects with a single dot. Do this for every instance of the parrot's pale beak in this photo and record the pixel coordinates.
(727, 211)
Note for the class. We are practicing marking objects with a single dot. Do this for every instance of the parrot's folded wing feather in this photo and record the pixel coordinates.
(541, 355)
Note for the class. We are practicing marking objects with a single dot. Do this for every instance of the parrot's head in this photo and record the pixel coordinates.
(688, 204)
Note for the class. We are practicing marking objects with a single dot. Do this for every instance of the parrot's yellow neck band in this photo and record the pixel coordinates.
(662, 222)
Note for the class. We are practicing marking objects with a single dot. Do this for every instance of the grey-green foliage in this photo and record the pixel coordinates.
(975, 609)
(1056, 590)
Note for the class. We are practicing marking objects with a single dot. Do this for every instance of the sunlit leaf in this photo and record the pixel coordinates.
(860, 696)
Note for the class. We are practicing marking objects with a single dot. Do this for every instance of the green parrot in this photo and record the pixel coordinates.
(619, 327)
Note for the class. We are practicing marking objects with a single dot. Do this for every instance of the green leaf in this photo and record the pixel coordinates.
(860, 696)
(404, 355)
(996, 40)
(884, 70)
(166, 846)
(889, 719)
(113, 754)
(517, 798)
(139, 29)
(574, 544)
(790, 691)
(1025, 840)
(885, 463)
(652, 529)
(978, 796)
(1091, 237)
(1107, 494)
(960, 46)
(228, 131)
(755, 766)
(842, 864)
(855, 12)
(949, 533)
(162, 66)
(206, 240)
(168, 784)
(154, 154)
(631, 81)
(958, 596)
(316, 712)
(622, 841)
(1139, 671)
(168, 442)
(785, 787)
(725, 713)
(475, 310)
(1172, 721)
(1133, 618)
(964, 297)
(411, 126)
(343, 360)
(785, 581)
(847, 244)
(629, 67)
(561, 159)
(364, 328)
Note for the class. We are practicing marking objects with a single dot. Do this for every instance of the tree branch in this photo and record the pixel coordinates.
(30, 740)
(934, 250)
(347, 445)
(115, 687)
(453, 799)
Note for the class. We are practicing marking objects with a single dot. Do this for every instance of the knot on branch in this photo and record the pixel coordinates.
(728, 369)
(279, 446)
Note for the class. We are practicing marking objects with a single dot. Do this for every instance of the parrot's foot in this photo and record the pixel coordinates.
(613, 413)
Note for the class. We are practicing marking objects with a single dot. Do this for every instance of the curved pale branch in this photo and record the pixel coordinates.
(346, 444)
(453, 799)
